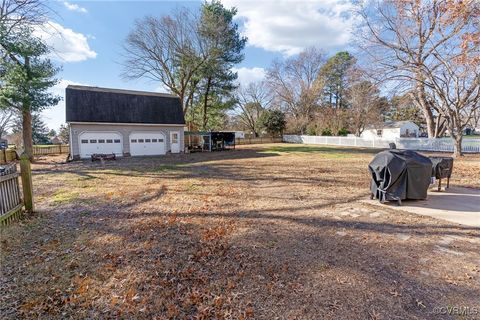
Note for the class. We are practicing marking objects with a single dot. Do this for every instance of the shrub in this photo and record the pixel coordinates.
(343, 132)
(312, 130)
(326, 132)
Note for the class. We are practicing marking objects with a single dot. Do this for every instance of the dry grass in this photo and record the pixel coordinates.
(271, 231)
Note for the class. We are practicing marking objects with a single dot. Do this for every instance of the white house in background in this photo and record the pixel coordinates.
(391, 130)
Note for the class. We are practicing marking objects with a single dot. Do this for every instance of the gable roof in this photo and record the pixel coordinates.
(94, 104)
(390, 125)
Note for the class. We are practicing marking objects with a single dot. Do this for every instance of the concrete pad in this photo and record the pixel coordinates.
(402, 236)
(459, 205)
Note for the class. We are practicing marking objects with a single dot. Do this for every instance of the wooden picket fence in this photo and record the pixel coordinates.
(7, 155)
(10, 196)
(257, 140)
(53, 149)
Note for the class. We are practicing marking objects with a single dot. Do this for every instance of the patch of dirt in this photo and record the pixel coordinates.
(266, 232)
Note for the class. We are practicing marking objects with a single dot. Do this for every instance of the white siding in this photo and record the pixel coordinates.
(124, 130)
(369, 134)
(390, 133)
(411, 127)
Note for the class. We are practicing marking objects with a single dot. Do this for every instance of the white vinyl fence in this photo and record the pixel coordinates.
(421, 144)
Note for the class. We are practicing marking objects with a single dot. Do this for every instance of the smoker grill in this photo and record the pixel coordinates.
(399, 175)
(442, 168)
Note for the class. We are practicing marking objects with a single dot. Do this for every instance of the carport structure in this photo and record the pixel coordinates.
(198, 141)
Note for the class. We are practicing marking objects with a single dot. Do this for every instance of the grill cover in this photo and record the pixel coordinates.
(400, 175)
(442, 167)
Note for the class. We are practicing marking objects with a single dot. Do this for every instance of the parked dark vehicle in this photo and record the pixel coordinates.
(399, 175)
(3, 144)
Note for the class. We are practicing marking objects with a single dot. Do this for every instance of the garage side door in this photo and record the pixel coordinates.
(147, 143)
(100, 142)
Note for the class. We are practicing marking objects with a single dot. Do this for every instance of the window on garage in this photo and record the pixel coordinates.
(140, 140)
(160, 140)
(133, 141)
(147, 140)
(84, 141)
(101, 140)
(116, 140)
(93, 141)
(109, 141)
(154, 140)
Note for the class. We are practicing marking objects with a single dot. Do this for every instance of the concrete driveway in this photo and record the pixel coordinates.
(459, 205)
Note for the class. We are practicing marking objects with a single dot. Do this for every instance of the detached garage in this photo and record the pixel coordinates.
(123, 122)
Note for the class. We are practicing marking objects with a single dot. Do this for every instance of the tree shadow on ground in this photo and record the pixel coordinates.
(270, 264)
(145, 258)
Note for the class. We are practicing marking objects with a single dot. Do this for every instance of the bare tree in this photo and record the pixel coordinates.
(14, 13)
(6, 121)
(475, 121)
(366, 107)
(167, 49)
(410, 41)
(456, 90)
(252, 100)
(297, 85)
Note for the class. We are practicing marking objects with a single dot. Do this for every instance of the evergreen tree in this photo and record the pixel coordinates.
(273, 121)
(334, 73)
(26, 77)
(40, 131)
(224, 47)
(52, 133)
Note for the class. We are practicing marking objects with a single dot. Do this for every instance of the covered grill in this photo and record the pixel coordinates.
(399, 175)
(442, 168)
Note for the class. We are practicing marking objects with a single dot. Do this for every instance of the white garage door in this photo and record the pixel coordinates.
(100, 142)
(147, 143)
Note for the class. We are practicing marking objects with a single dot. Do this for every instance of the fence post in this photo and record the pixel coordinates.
(26, 173)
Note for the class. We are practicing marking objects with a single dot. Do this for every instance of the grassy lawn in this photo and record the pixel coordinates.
(273, 231)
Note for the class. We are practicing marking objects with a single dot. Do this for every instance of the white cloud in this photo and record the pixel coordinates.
(68, 45)
(288, 26)
(55, 116)
(74, 7)
(249, 75)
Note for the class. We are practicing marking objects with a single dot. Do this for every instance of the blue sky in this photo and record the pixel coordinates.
(87, 37)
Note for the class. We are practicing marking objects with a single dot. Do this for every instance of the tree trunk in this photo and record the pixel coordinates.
(421, 99)
(27, 132)
(439, 126)
(205, 103)
(457, 148)
(430, 122)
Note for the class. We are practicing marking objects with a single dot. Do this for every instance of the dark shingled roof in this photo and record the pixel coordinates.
(93, 104)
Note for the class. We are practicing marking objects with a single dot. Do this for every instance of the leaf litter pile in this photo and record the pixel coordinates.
(263, 232)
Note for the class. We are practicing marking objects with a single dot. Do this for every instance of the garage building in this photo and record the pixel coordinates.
(123, 122)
